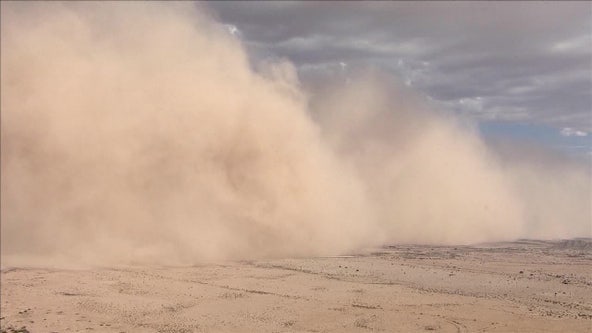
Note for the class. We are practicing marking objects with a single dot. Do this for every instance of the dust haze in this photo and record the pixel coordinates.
(138, 133)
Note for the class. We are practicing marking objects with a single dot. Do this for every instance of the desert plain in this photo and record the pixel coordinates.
(522, 286)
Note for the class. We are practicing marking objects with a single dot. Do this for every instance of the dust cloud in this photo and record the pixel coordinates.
(138, 133)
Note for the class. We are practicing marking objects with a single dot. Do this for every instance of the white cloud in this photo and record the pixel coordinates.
(472, 104)
(580, 43)
(568, 131)
(233, 29)
(412, 72)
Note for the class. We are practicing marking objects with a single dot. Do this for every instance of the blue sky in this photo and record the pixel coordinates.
(569, 141)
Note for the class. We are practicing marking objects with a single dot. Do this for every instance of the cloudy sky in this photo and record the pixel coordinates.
(520, 69)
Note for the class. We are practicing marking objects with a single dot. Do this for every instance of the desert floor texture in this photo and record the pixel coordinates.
(524, 286)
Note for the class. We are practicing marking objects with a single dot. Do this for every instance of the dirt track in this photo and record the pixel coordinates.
(526, 286)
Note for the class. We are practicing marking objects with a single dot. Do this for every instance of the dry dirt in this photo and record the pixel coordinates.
(524, 286)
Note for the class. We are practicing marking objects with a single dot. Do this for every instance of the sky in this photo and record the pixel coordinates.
(518, 69)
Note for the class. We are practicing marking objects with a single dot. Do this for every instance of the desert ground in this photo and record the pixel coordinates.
(523, 286)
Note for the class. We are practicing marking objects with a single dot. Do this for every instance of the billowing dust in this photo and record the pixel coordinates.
(137, 132)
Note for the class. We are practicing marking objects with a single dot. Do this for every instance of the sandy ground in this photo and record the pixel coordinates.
(526, 286)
